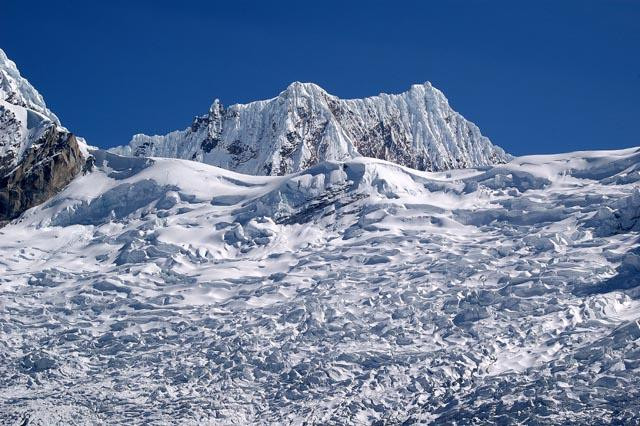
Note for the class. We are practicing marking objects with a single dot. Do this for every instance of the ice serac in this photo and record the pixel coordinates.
(38, 156)
(304, 125)
(356, 292)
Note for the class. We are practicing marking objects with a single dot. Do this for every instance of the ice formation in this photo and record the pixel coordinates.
(352, 291)
(305, 125)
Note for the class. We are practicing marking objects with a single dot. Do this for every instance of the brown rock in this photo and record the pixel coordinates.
(47, 167)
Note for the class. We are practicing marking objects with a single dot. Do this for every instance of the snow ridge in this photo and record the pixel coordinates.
(304, 125)
(38, 156)
(24, 117)
(16, 90)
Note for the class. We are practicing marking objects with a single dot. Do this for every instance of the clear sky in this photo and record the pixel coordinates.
(536, 76)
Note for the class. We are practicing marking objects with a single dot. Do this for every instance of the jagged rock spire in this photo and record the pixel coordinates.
(305, 125)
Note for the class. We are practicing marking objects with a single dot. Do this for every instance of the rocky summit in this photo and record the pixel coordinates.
(304, 125)
(38, 157)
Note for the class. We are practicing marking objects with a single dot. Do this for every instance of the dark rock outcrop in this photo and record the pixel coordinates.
(38, 157)
(47, 167)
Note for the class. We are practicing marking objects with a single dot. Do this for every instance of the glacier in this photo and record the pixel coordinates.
(304, 125)
(373, 261)
(154, 290)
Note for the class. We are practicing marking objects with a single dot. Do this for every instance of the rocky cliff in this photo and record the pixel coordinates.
(47, 167)
(38, 156)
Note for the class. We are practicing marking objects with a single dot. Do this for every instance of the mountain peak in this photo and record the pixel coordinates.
(298, 88)
(216, 107)
(424, 87)
(304, 125)
(38, 157)
(16, 90)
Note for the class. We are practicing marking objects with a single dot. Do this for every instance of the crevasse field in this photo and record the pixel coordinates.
(151, 290)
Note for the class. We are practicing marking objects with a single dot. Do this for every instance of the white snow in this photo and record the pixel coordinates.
(24, 117)
(305, 125)
(161, 290)
(16, 90)
(19, 129)
(353, 291)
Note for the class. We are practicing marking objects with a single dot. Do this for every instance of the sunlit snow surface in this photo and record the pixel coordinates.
(164, 291)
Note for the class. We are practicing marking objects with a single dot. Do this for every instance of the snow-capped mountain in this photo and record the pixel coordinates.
(160, 291)
(16, 90)
(305, 125)
(38, 156)
(353, 291)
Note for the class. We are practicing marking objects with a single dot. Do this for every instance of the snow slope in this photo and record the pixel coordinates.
(160, 290)
(16, 90)
(24, 117)
(38, 156)
(304, 125)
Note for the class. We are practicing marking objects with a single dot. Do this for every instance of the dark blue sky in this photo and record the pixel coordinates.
(536, 76)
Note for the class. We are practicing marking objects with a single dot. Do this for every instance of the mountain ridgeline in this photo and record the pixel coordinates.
(304, 125)
(353, 291)
(38, 157)
(301, 127)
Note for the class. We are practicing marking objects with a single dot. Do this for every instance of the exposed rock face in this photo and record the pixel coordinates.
(38, 157)
(47, 167)
(305, 125)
